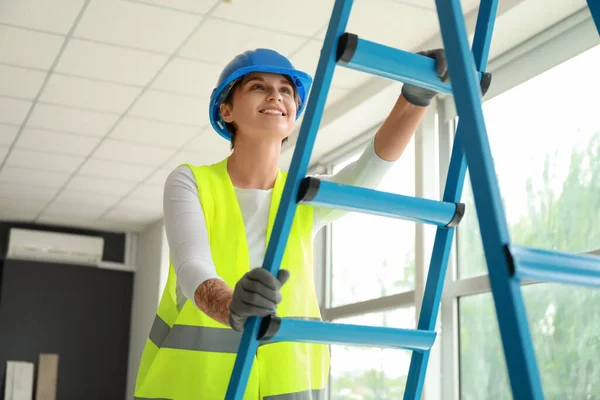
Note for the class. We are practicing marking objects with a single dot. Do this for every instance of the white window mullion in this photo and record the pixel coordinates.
(426, 186)
(449, 306)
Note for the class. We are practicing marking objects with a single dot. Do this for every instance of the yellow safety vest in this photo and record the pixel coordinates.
(188, 355)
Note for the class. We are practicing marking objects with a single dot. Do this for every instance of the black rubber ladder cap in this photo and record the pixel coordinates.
(346, 47)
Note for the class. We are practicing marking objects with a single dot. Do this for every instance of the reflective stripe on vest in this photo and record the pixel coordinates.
(149, 398)
(199, 338)
(305, 395)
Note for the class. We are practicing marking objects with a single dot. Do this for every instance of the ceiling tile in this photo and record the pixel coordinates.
(153, 132)
(26, 192)
(192, 6)
(528, 18)
(395, 24)
(307, 58)
(349, 79)
(111, 63)
(188, 77)
(467, 5)
(136, 25)
(75, 210)
(20, 82)
(47, 161)
(53, 16)
(335, 94)
(113, 150)
(102, 186)
(151, 204)
(8, 134)
(242, 38)
(71, 196)
(285, 16)
(210, 142)
(123, 226)
(55, 142)
(10, 214)
(115, 170)
(13, 111)
(16, 45)
(172, 108)
(32, 205)
(37, 177)
(159, 177)
(3, 153)
(122, 213)
(148, 191)
(321, 34)
(84, 93)
(398, 25)
(427, 4)
(60, 219)
(194, 158)
(71, 120)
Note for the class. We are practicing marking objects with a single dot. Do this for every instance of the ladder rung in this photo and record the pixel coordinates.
(553, 266)
(353, 198)
(293, 330)
(388, 62)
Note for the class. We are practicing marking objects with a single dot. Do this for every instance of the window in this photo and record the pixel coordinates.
(370, 373)
(565, 327)
(373, 256)
(545, 139)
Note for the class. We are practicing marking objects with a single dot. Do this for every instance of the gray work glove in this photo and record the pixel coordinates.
(256, 295)
(422, 97)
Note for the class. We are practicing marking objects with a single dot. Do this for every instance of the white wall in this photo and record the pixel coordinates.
(152, 264)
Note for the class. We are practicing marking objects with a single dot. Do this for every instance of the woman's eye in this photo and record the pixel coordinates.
(286, 90)
(257, 86)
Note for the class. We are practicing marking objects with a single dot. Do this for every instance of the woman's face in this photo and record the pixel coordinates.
(263, 107)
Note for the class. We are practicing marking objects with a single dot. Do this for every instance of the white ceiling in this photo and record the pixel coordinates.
(101, 99)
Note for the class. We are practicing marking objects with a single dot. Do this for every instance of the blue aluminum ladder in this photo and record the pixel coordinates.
(508, 264)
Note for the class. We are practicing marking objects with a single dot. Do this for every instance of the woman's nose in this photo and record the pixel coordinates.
(274, 95)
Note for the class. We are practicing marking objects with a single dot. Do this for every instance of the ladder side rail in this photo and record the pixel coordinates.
(510, 309)
(452, 193)
(287, 207)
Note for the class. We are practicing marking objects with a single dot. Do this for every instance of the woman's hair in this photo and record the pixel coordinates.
(229, 101)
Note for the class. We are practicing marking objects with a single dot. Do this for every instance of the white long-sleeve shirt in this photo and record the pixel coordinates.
(185, 223)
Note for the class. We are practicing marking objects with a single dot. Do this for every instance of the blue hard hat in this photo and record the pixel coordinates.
(259, 60)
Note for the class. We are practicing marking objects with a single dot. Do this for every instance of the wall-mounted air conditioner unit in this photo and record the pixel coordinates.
(27, 244)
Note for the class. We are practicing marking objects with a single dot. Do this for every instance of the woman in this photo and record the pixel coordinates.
(218, 220)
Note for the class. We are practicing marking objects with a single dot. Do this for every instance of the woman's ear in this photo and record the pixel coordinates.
(225, 110)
